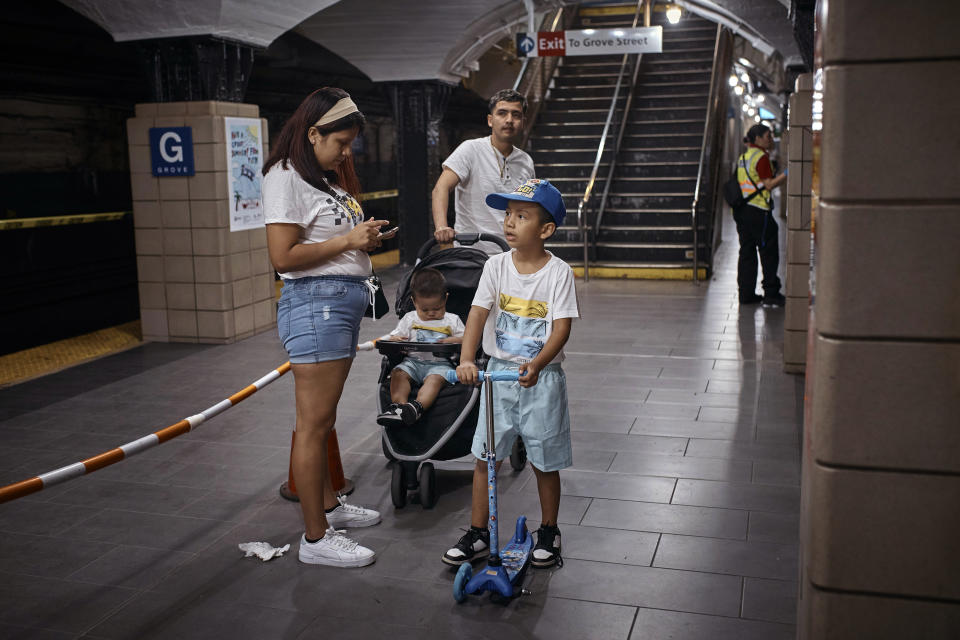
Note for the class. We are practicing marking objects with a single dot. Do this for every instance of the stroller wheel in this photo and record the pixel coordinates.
(518, 455)
(398, 486)
(428, 485)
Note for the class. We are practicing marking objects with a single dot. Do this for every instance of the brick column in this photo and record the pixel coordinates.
(799, 178)
(198, 281)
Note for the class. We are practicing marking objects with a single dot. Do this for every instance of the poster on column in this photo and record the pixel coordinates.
(244, 162)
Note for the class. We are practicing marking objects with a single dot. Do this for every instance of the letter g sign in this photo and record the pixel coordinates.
(171, 151)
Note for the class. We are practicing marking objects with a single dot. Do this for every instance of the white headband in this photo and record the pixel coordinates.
(344, 107)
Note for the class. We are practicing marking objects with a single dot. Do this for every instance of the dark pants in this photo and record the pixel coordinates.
(758, 235)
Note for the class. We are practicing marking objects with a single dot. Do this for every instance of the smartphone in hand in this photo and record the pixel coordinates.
(386, 235)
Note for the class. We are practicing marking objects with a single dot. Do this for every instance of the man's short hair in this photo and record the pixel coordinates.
(428, 283)
(507, 95)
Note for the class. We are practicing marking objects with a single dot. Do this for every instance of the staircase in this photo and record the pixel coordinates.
(646, 226)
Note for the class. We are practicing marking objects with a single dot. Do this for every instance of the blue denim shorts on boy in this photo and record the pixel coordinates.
(418, 370)
(318, 317)
(539, 414)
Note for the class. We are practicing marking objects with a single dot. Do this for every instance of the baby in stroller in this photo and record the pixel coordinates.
(445, 432)
(429, 322)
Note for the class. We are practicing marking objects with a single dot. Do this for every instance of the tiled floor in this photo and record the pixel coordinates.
(679, 517)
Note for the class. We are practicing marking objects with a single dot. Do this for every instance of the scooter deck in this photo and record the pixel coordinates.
(515, 556)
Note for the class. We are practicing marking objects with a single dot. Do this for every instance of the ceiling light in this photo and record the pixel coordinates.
(673, 14)
(756, 118)
(738, 90)
(732, 81)
(745, 107)
(751, 111)
(759, 97)
(745, 77)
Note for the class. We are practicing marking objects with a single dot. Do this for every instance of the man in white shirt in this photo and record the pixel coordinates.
(480, 167)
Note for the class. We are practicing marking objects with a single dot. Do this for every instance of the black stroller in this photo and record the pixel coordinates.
(446, 431)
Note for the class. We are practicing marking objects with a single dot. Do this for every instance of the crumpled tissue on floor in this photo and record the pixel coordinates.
(263, 550)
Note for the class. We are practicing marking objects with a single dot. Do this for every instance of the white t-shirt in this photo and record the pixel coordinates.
(524, 306)
(484, 170)
(288, 198)
(413, 329)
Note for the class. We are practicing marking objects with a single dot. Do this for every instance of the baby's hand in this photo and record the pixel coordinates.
(399, 338)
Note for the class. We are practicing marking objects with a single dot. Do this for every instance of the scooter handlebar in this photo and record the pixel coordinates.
(496, 376)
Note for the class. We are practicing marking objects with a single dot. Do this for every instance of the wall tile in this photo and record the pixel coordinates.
(798, 281)
(887, 404)
(258, 238)
(248, 110)
(801, 145)
(242, 292)
(152, 295)
(906, 162)
(212, 269)
(150, 268)
(227, 109)
(145, 110)
(177, 242)
(797, 313)
(206, 128)
(146, 214)
(139, 158)
(183, 324)
(244, 320)
(794, 346)
(208, 186)
(239, 241)
(173, 188)
(240, 265)
(264, 315)
(137, 131)
(911, 250)
(910, 547)
(149, 241)
(201, 108)
(181, 296)
(175, 213)
(210, 157)
(208, 214)
(216, 324)
(153, 323)
(215, 297)
(210, 242)
(168, 121)
(171, 108)
(798, 246)
(800, 183)
(178, 268)
(263, 287)
(143, 186)
(865, 30)
(801, 109)
(260, 261)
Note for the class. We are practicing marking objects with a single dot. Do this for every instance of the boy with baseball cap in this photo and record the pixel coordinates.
(523, 310)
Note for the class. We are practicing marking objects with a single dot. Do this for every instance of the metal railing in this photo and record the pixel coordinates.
(534, 78)
(584, 201)
(713, 102)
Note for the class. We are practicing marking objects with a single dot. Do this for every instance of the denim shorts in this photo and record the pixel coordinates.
(538, 414)
(418, 370)
(318, 317)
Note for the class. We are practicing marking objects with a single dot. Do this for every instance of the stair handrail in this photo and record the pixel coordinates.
(581, 206)
(536, 78)
(712, 101)
(623, 129)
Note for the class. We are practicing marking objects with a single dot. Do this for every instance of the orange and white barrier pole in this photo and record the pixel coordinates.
(38, 483)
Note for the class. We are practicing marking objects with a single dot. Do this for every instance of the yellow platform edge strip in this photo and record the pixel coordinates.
(21, 366)
(640, 273)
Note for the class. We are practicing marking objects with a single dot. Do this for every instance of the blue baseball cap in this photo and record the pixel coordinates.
(533, 190)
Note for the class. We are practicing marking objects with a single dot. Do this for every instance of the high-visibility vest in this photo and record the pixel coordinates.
(747, 170)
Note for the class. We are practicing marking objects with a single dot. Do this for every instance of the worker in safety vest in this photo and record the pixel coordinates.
(755, 224)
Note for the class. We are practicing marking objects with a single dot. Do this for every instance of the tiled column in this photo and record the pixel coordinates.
(880, 521)
(199, 282)
(799, 176)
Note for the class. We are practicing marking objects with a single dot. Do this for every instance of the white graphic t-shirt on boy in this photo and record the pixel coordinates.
(413, 329)
(523, 306)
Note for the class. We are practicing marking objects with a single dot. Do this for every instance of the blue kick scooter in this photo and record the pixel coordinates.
(505, 567)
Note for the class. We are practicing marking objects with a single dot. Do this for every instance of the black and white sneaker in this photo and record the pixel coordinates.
(392, 417)
(774, 300)
(473, 544)
(410, 412)
(546, 553)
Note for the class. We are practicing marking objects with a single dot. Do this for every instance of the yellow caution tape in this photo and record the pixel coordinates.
(378, 195)
(56, 221)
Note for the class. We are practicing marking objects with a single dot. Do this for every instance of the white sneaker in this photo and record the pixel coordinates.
(348, 515)
(336, 550)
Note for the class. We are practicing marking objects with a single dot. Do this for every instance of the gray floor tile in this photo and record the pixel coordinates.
(618, 486)
(743, 413)
(10, 632)
(776, 472)
(774, 527)
(681, 467)
(660, 445)
(770, 600)
(752, 497)
(646, 516)
(647, 587)
(736, 557)
(600, 422)
(742, 450)
(674, 396)
(676, 625)
(58, 605)
(692, 429)
(131, 567)
(41, 518)
(50, 557)
(608, 545)
(175, 533)
(670, 411)
(130, 496)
